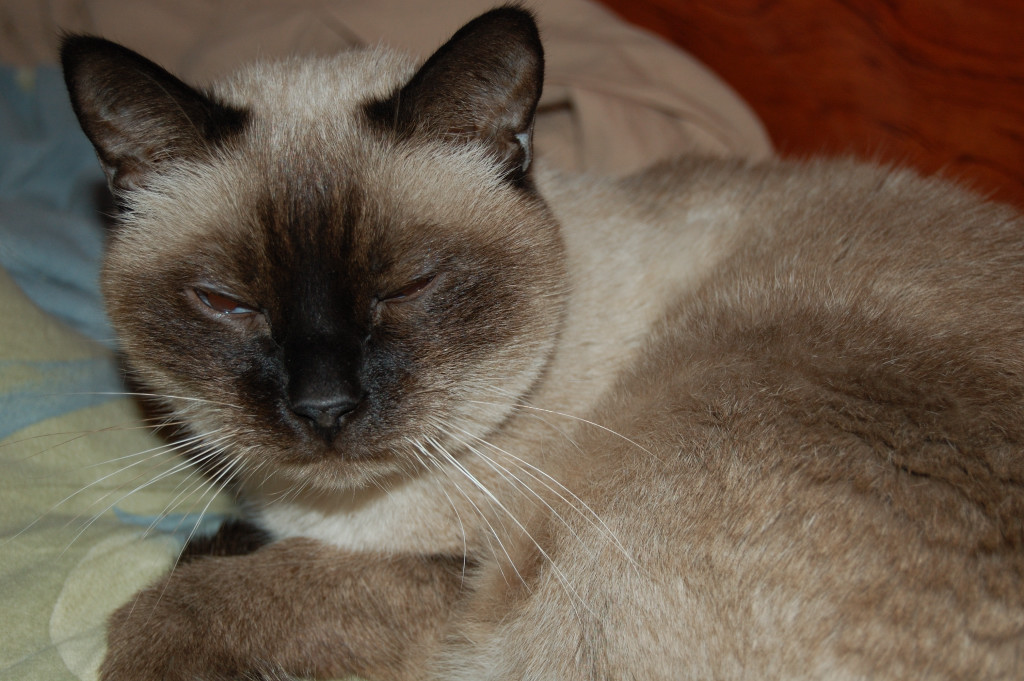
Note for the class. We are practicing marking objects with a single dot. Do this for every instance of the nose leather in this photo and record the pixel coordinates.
(326, 408)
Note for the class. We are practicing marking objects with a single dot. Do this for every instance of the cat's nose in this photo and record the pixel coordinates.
(326, 409)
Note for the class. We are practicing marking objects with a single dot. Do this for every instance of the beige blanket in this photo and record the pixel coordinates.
(615, 97)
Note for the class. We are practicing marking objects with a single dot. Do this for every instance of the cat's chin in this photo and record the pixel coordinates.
(326, 477)
(330, 477)
(330, 469)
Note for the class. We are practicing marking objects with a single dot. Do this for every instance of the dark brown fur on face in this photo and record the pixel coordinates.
(714, 420)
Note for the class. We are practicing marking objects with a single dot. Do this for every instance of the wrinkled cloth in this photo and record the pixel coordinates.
(615, 97)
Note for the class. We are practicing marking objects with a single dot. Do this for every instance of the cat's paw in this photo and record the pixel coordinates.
(162, 634)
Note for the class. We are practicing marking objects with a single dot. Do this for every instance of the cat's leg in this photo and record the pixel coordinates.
(296, 605)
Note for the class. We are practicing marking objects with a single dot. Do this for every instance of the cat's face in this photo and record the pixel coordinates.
(335, 271)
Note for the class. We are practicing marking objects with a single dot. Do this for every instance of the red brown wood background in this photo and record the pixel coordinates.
(937, 84)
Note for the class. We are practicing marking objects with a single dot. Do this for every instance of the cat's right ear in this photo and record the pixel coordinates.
(140, 118)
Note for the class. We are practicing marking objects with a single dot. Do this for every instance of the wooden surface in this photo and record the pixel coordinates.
(937, 84)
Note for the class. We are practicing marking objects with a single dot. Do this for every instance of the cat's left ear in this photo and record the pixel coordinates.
(481, 86)
(140, 118)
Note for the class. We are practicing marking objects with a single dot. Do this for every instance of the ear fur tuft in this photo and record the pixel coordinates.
(138, 116)
(481, 86)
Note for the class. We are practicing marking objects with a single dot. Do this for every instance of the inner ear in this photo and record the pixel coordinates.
(138, 116)
(481, 86)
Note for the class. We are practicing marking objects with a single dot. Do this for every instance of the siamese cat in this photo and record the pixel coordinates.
(716, 420)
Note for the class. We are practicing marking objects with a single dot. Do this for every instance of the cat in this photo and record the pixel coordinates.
(718, 419)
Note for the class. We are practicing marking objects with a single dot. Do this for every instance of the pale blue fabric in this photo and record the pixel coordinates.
(51, 187)
(51, 242)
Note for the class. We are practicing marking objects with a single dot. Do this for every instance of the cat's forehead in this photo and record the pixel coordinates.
(316, 89)
(286, 176)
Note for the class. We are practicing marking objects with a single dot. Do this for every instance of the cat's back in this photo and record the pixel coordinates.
(869, 328)
(866, 256)
(834, 415)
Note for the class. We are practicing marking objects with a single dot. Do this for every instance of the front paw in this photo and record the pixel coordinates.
(165, 634)
(294, 605)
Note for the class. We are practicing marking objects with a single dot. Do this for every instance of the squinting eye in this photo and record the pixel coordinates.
(221, 303)
(409, 291)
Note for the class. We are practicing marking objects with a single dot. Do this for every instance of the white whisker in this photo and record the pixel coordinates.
(492, 532)
(78, 435)
(578, 419)
(144, 456)
(161, 396)
(496, 502)
(216, 485)
(162, 475)
(191, 489)
(517, 483)
(555, 487)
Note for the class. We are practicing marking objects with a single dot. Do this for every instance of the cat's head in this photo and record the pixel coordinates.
(330, 265)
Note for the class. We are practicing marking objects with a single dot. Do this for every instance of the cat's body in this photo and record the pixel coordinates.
(715, 420)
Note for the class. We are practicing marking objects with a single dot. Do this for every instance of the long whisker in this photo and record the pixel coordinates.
(161, 396)
(183, 449)
(186, 489)
(517, 483)
(455, 509)
(148, 483)
(555, 487)
(144, 456)
(493, 534)
(576, 418)
(216, 485)
(493, 499)
(141, 424)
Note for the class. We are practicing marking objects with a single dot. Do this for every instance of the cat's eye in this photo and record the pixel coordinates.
(410, 291)
(222, 304)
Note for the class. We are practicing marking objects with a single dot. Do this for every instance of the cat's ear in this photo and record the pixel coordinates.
(483, 85)
(138, 116)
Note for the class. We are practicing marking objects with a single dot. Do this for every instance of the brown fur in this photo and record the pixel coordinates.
(715, 420)
(329, 619)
